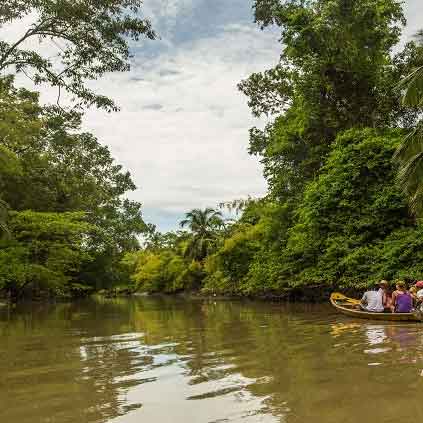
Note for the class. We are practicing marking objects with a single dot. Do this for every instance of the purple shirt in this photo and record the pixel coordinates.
(404, 303)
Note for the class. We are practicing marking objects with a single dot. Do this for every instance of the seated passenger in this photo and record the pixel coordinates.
(387, 296)
(419, 295)
(402, 301)
(419, 287)
(373, 300)
(413, 292)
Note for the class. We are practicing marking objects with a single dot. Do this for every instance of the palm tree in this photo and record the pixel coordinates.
(410, 153)
(204, 225)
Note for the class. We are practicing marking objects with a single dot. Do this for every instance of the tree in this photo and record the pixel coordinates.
(47, 165)
(45, 252)
(410, 152)
(335, 73)
(90, 38)
(203, 225)
(62, 169)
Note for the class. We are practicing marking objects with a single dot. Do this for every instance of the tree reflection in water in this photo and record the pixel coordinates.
(170, 360)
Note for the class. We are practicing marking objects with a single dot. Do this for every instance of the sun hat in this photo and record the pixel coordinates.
(419, 284)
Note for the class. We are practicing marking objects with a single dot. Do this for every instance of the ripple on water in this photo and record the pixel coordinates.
(192, 362)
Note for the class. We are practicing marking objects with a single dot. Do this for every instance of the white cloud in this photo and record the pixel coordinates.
(165, 14)
(169, 8)
(413, 11)
(183, 127)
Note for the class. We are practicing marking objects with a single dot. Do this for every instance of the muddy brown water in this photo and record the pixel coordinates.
(170, 360)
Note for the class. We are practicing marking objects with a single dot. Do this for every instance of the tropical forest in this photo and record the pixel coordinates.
(342, 155)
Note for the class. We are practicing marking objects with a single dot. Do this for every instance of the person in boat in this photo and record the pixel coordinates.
(402, 301)
(419, 288)
(419, 295)
(372, 300)
(413, 292)
(386, 295)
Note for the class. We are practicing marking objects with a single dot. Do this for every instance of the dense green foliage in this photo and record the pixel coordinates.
(68, 222)
(173, 262)
(45, 253)
(335, 215)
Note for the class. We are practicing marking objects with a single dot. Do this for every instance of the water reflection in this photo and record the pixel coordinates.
(168, 360)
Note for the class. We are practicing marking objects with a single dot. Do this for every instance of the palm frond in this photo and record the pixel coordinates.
(184, 223)
(416, 201)
(411, 145)
(203, 225)
(409, 154)
(413, 84)
(411, 172)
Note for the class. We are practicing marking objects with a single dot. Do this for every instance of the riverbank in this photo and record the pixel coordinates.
(316, 295)
(310, 294)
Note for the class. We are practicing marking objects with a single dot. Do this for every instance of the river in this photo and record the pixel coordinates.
(169, 360)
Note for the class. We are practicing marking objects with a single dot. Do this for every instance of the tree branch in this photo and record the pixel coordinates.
(31, 32)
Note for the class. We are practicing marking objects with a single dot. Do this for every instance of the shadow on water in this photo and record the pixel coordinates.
(171, 360)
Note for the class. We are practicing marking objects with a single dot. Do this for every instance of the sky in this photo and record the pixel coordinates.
(183, 126)
(182, 130)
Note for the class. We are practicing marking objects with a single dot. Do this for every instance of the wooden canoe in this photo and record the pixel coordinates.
(348, 306)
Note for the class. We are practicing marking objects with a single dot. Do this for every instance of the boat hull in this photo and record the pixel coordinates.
(345, 306)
